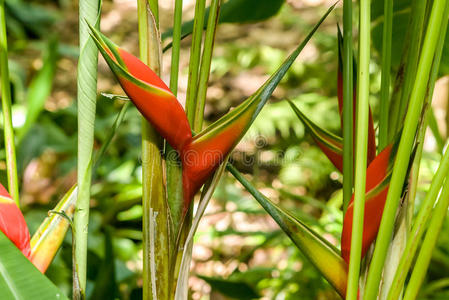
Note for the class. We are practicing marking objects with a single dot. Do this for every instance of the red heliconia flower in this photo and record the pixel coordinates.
(12, 222)
(202, 154)
(209, 148)
(158, 104)
(377, 183)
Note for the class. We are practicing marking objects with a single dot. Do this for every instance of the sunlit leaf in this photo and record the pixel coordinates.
(47, 240)
(40, 87)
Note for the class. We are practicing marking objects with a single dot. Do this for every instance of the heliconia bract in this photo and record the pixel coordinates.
(148, 92)
(329, 143)
(202, 154)
(12, 222)
(377, 182)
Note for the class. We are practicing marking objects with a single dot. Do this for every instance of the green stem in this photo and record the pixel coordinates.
(172, 162)
(11, 164)
(419, 227)
(423, 128)
(386, 74)
(89, 11)
(155, 212)
(405, 148)
(194, 62)
(348, 147)
(205, 64)
(425, 254)
(361, 149)
(176, 45)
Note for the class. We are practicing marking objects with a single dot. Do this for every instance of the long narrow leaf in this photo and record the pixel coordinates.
(212, 145)
(320, 253)
(40, 87)
(89, 11)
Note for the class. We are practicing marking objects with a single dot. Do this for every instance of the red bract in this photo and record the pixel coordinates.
(209, 148)
(330, 144)
(12, 222)
(160, 108)
(377, 183)
(201, 155)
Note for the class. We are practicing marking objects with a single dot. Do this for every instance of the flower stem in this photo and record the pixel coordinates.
(386, 74)
(361, 150)
(205, 64)
(405, 148)
(89, 11)
(425, 254)
(11, 164)
(348, 141)
(155, 212)
(194, 62)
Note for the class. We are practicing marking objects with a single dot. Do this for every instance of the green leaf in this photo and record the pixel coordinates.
(48, 238)
(19, 279)
(89, 11)
(40, 88)
(237, 11)
(320, 252)
(401, 17)
(222, 136)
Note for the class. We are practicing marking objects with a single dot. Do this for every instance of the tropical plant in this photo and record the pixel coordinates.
(180, 156)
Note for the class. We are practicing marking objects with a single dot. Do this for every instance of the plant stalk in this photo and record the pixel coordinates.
(348, 141)
(425, 254)
(155, 221)
(11, 163)
(419, 227)
(386, 74)
(89, 11)
(361, 149)
(398, 103)
(194, 62)
(405, 148)
(172, 162)
(205, 64)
